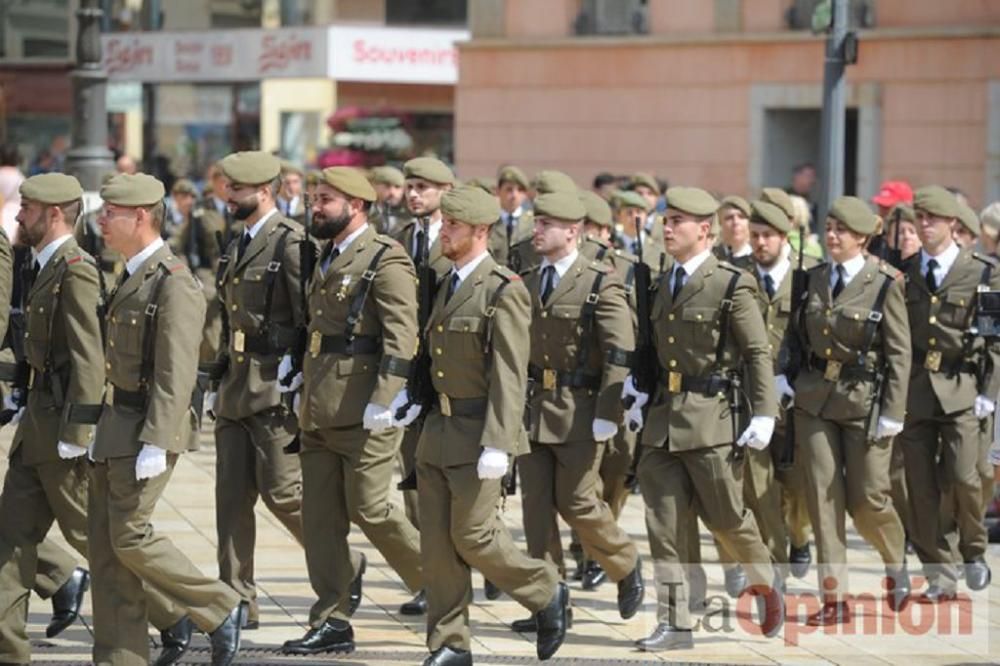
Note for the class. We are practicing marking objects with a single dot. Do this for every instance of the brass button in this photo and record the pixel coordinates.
(670, 339)
(932, 320)
(934, 299)
(961, 302)
(438, 351)
(829, 352)
(440, 328)
(322, 291)
(545, 336)
(111, 343)
(134, 321)
(544, 314)
(932, 341)
(107, 366)
(826, 331)
(770, 327)
(698, 317)
(670, 317)
(545, 357)
(672, 363)
(114, 320)
(440, 374)
(235, 308)
(26, 333)
(465, 328)
(857, 317)
(319, 312)
(41, 310)
(829, 312)
(236, 280)
(239, 359)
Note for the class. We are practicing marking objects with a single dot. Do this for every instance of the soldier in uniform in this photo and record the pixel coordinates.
(389, 211)
(852, 349)
(260, 288)
(968, 230)
(707, 329)
(515, 217)
(154, 327)
(481, 316)
(734, 227)
(951, 390)
(362, 335)
(215, 206)
(629, 207)
(647, 187)
(290, 201)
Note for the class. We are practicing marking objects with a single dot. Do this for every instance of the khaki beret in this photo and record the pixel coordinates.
(184, 186)
(644, 179)
(560, 205)
(133, 190)
(969, 219)
(769, 214)
(855, 214)
(485, 183)
(549, 180)
(350, 181)
(737, 202)
(630, 199)
(989, 218)
(314, 176)
(598, 210)
(387, 175)
(512, 174)
(905, 213)
(51, 188)
(291, 167)
(471, 205)
(692, 200)
(780, 198)
(251, 167)
(429, 168)
(937, 201)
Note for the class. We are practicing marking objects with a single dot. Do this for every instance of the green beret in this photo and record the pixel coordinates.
(855, 214)
(549, 181)
(598, 210)
(769, 214)
(644, 179)
(512, 174)
(314, 176)
(937, 201)
(387, 175)
(470, 204)
(780, 198)
(969, 219)
(133, 190)
(485, 183)
(630, 199)
(905, 213)
(251, 167)
(51, 188)
(290, 167)
(350, 181)
(430, 169)
(561, 205)
(737, 202)
(692, 200)
(184, 186)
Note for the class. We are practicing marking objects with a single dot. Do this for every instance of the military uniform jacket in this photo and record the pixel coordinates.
(6, 281)
(560, 412)
(404, 234)
(250, 385)
(937, 324)
(835, 331)
(339, 386)
(465, 367)
(686, 334)
(777, 310)
(723, 253)
(62, 343)
(386, 219)
(195, 241)
(167, 419)
(622, 262)
(502, 247)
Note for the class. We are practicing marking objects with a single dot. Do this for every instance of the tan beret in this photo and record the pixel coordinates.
(561, 205)
(290, 167)
(485, 183)
(471, 205)
(905, 212)
(598, 210)
(737, 202)
(387, 175)
(549, 180)
(780, 198)
(350, 181)
(429, 168)
(692, 200)
(512, 174)
(133, 190)
(184, 186)
(644, 179)
(855, 214)
(630, 199)
(989, 218)
(251, 167)
(936, 200)
(769, 214)
(969, 219)
(51, 188)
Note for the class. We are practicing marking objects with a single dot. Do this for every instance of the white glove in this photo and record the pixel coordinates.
(412, 412)
(758, 433)
(783, 388)
(69, 451)
(210, 399)
(284, 370)
(296, 403)
(639, 399)
(492, 463)
(993, 456)
(604, 430)
(633, 418)
(377, 418)
(887, 427)
(9, 404)
(151, 461)
(983, 407)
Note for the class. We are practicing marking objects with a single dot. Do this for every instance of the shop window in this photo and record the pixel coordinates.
(35, 29)
(799, 14)
(611, 17)
(427, 12)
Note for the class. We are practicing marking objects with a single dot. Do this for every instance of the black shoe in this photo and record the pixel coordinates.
(491, 591)
(631, 591)
(832, 612)
(665, 637)
(736, 581)
(175, 641)
(799, 559)
(66, 602)
(898, 588)
(415, 606)
(977, 574)
(446, 656)
(331, 636)
(697, 588)
(552, 621)
(529, 625)
(593, 576)
(771, 606)
(935, 594)
(355, 591)
(225, 640)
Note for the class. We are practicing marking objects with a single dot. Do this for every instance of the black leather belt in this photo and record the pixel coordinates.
(934, 361)
(708, 386)
(122, 398)
(15, 373)
(551, 379)
(835, 370)
(475, 407)
(338, 344)
(272, 343)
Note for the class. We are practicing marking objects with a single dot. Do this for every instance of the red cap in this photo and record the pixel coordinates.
(893, 192)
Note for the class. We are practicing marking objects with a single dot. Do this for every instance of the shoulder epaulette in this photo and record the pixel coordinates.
(171, 264)
(505, 273)
(388, 241)
(730, 267)
(888, 269)
(816, 267)
(600, 267)
(992, 261)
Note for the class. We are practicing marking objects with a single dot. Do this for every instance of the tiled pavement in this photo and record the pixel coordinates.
(186, 514)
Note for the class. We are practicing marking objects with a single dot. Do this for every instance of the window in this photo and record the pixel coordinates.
(427, 12)
(611, 17)
(799, 14)
(35, 29)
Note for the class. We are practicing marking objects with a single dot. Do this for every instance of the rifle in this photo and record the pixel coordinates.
(895, 254)
(796, 354)
(18, 372)
(307, 264)
(645, 364)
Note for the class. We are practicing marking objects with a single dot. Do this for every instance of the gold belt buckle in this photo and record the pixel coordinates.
(445, 404)
(109, 394)
(31, 377)
(548, 379)
(832, 372)
(315, 343)
(239, 341)
(933, 361)
(674, 381)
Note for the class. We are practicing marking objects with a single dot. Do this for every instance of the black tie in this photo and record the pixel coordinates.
(678, 281)
(244, 242)
(418, 242)
(548, 282)
(839, 285)
(330, 258)
(932, 284)
(769, 285)
(452, 286)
